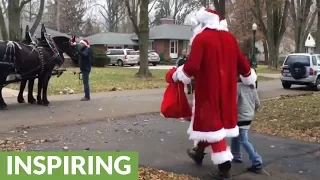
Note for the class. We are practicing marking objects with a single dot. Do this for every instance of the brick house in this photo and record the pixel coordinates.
(111, 40)
(168, 38)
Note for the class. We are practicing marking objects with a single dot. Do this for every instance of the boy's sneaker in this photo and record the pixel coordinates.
(237, 161)
(255, 169)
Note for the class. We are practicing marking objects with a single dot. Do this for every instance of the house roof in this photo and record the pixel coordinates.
(169, 31)
(111, 38)
(52, 32)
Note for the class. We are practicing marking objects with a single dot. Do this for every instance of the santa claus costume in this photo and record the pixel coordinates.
(214, 62)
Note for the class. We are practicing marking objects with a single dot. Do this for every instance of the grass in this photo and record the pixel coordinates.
(155, 174)
(295, 117)
(265, 69)
(108, 79)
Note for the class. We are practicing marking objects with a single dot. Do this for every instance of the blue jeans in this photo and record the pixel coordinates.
(85, 79)
(243, 140)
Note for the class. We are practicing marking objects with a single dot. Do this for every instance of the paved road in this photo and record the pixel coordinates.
(161, 143)
(67, 109)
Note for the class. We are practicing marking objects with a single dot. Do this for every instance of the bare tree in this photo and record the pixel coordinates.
(38, 18)
(277, 14)
(14, 12)
(303, 20)
(142, 31)
(177, 9)
(113, 12)
(318, 29)
(3, 26)
(71, 16)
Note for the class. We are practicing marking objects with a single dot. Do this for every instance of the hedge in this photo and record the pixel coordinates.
(99, 58)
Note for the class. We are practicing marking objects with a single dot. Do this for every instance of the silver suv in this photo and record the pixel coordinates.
(301, 69)
(123, 57)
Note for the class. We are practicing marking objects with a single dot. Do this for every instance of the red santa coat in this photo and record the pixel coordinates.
(215, 61)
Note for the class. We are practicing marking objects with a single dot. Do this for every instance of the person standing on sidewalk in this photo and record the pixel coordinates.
(181, 60)
(85, 67)
(214, 62)
(248, 103)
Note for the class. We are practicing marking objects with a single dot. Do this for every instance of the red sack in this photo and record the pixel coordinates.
(175, 103)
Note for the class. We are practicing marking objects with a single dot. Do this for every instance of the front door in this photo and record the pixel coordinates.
(173, 49)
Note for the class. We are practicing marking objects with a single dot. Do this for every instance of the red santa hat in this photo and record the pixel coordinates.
(208, 18)
(211, 19)
(85, 42)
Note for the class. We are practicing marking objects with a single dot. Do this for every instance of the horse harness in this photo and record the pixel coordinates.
(10, 58)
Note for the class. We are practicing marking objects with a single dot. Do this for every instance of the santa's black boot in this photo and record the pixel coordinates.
(196, 155)
(224, 171)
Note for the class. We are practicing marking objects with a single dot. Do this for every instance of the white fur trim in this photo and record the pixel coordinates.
(210, 20)
(175, 77)
(251, 79)
(83, 42)
(221, 157)
(195, 143)
(233, 132)
(181, 75)
(224, 24)
(197, 30)
(74, 43)
(211, 137)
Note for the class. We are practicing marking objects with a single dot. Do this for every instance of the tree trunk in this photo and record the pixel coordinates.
(144, 40)
(318, 30)
(3, 27)
(266, 52)
(220, 6)
(38, 19)
(14, 11)
(58, 15)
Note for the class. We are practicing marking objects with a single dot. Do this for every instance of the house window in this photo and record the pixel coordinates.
(174, 49)
(150, 46)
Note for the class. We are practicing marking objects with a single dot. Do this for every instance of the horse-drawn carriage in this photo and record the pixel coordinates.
(33, 58)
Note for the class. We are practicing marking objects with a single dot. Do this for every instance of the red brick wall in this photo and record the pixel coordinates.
(163, 46)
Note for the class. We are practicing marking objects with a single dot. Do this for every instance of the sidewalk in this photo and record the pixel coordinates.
(162, 144)
(7, 93)
(269, 75)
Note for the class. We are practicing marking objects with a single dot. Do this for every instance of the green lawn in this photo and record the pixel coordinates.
(107, 79)
(265, 69)
(295, 117)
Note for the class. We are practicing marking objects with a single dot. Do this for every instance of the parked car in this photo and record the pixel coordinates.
(301, 69)
(123, 57)
(153, 57)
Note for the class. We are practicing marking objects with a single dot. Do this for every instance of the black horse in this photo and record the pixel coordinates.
(31, 61)
(31, 100)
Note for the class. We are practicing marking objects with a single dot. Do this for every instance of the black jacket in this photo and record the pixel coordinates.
(85, 59)
(181, 60)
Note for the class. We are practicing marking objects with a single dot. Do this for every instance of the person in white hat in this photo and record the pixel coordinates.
(215, 60)
(85, 67)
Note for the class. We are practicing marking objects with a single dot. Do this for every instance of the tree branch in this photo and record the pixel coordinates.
(24, 3)
(284, 18)
(133, 17)
(38, 19)
(154, 2)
